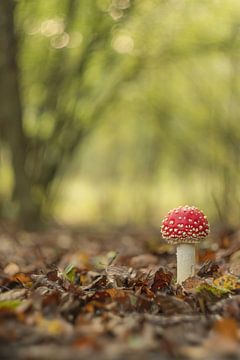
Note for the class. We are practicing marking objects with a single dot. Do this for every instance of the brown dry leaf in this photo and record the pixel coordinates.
(98, 283)
(162, 280)
(110, 297)
(207, 255)
(101, 295)
(86, 342)
(192, 283)
(53, 275)
(51, 300)
(116, 293)
(208, 269)
(227, 327)
(22, 278)
(118, 275)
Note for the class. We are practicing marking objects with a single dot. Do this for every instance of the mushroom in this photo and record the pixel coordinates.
(185, 226)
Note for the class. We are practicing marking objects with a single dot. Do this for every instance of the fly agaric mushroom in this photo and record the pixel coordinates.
(185, 226)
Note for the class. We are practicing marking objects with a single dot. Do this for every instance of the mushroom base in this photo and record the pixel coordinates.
(186, 259)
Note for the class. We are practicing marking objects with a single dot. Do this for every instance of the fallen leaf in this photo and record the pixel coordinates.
(86, 342)
(23, 279)
(117, 293)
(207, 255)
(53, 275)
(118, 275)
(69, 273)
(212, 291)
(228, 282)
(9, 304)
(162, 280)
(208, 269)
(227, 327)
(192, 283)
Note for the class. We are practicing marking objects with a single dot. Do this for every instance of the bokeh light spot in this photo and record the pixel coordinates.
(123, 44)
(60, 41)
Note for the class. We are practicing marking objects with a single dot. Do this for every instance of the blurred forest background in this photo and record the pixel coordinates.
(114, 111)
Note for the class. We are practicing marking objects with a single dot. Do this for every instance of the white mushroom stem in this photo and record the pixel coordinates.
(186, 259)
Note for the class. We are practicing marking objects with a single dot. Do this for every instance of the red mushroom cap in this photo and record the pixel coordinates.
(185, 224)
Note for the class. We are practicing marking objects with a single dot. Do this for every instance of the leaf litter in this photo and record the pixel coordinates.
(91, 299)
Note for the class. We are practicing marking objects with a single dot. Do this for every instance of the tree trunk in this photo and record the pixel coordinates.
(11, 113)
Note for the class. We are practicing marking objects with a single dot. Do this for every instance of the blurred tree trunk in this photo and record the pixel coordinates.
(11, 113)
(37, 161)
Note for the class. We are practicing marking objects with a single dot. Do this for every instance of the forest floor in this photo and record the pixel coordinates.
(111, 294)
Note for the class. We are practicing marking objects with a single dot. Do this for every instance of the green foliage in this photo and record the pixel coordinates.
(9, 304)
(149, 92)
(212, 292)
(69, 273)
